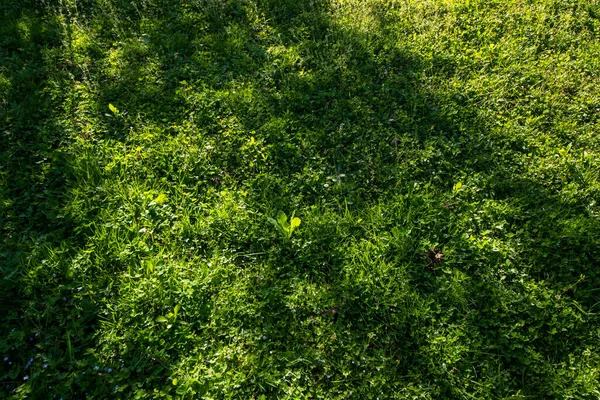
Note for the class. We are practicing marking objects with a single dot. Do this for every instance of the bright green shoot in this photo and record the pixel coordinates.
(282, 225)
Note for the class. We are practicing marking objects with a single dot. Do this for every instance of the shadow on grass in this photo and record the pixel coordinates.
(347, 130)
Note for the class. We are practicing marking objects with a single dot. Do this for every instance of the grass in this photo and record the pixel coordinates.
(442, 157)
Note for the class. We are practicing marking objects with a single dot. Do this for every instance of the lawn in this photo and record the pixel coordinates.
(300, 199)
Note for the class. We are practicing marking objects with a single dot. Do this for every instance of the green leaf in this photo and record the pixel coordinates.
(295, 222)
(161, 198)
(175, 311)
(162, 319)
(113, 109)
(282, 219)
(182, 389)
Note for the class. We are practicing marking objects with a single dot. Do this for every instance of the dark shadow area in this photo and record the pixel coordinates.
(34, 170)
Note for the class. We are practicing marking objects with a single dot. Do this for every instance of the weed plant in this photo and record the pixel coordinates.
(443, 157)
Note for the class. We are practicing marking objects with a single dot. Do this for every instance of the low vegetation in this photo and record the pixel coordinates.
(293, 199)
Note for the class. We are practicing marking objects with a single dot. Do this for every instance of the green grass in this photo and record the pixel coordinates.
(443, 158)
